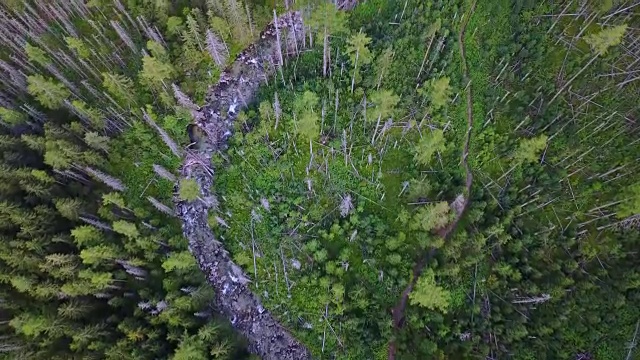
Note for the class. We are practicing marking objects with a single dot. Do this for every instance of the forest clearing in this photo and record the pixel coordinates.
(311, 179)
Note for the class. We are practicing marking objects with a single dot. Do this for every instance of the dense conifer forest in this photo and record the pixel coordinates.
(326, 179)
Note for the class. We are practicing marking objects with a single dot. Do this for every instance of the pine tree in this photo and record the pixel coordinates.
(358, 53)
(69, 208)
(47, 92)
(434, 216)
(155, 73)
(529, 149)
(385, 102)
(126, 228)
(383, 65)
(601, 42)
(99, 254)
(92, 116)
(79, 46)
(428, 146)
(11, 117)
(631, 203)
(96, 141)
(428, 294)
(36, 55)
(439, 92)
(189, 190)
(327, 20)
(120, 87)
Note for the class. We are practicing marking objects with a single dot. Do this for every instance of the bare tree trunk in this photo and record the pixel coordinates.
(233, 297)
(424, 60)
(325, 53)
(355, 70)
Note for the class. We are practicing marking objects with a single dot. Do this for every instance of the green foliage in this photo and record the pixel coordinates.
(439, 92)
(11, 117)
(157, 50)
(97, 254)
(96, 141)
(434, 216)
(32, 325)
(529, 149)
(79, 46)
(180, 261)
(307, 102)
(358, 48)
(36, 55)
(174, 25)
(601, 42)
(190, 348)
(384, 61)
(96, 118)
(630, 202)
(50, 94)
(327, 18)
(385, 102)
(113, 198)
(307, 125)
(155, 72)
(126, 228)
(429, 145)
(119, 86)
(86, 235)
(69, 208)
(428, 294)
(329, 233)
(63, 281)
(189, 189)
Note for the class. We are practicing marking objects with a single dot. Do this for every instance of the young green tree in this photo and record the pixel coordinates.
(529, 149)
(11, 117)
(433, 216)
(428, 294)
(383, 64)
(189, 189)
(120, 87)
(96, 141)
(359, 53)
(307, 118)
(49, 93)
(631, 204)
(155, 73)
(126, 228)
(385, 102)
(94, 116)
(79, 46)
(429, 145)
(439, 92)
(602, 41)
(326, 20)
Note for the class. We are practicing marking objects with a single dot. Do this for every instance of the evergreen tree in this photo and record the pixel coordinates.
(47, 92)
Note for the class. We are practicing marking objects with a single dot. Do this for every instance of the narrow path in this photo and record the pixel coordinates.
(446, 232)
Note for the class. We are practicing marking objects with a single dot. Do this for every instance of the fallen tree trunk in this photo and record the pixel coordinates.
(235, 90)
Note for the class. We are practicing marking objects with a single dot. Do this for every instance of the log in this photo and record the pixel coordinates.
(236, 89)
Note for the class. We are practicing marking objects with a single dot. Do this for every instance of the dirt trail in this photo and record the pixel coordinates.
(446, 232)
